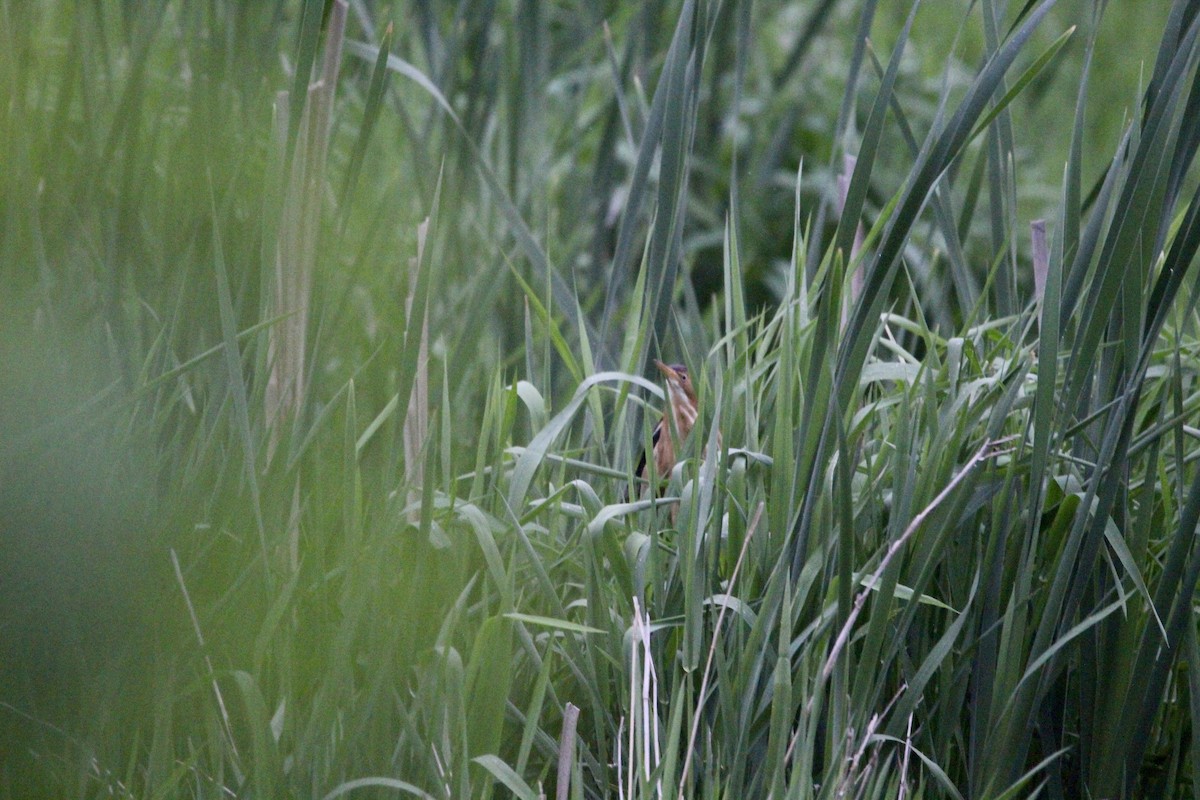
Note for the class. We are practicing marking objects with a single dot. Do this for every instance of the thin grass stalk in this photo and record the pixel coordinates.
(226, 726)
(856, 279)
(416, 419)
(845, 115)
(566, 752)
(296, 248)
(644, 747)
(1002, 183)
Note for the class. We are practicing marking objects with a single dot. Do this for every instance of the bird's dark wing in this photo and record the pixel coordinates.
(640, 473)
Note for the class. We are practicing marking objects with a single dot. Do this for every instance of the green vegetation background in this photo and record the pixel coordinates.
(317, 417)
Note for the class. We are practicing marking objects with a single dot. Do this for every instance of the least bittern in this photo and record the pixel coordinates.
(677, 420)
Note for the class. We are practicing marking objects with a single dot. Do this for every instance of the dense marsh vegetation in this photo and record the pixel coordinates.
(324, 343)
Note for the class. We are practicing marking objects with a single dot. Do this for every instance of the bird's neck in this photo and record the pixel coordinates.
(685, 416)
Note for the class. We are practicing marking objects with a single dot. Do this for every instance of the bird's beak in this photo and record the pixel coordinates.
(667, 372)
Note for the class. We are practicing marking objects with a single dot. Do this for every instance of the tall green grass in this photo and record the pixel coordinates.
(325, 330)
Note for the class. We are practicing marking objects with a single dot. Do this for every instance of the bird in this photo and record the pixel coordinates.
(680, 416)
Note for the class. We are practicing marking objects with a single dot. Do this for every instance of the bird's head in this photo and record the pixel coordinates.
(679, 385)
